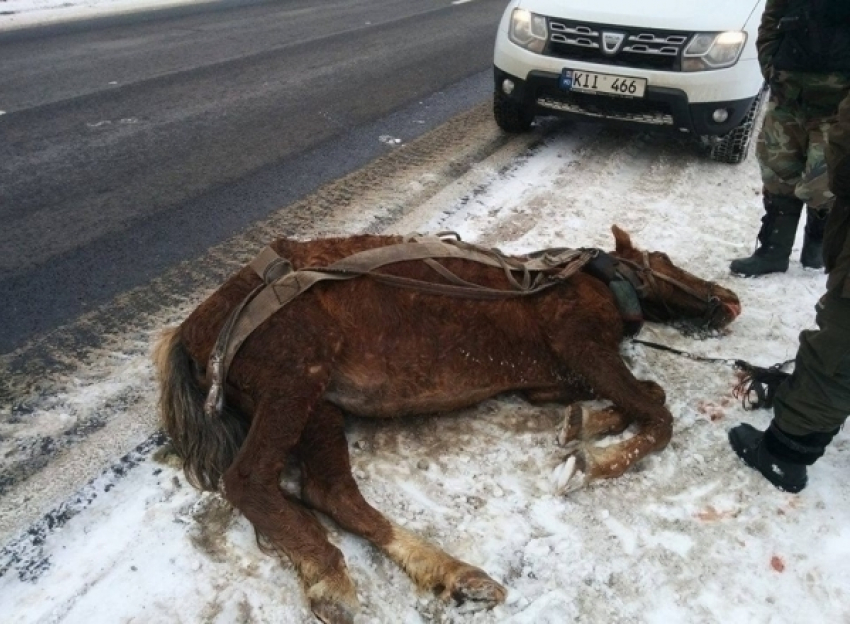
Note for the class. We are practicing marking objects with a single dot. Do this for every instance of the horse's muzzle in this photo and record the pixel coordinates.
(733, 309)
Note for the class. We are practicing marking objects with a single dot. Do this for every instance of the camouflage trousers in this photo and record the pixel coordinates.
(791, 153)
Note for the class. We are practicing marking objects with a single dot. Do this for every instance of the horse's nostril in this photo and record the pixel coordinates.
(734, 309)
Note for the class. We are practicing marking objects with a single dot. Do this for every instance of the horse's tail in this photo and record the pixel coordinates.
(207, 445)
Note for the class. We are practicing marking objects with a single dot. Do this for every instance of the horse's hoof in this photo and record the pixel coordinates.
(332, 612)
(571, 475)
(571, 428)
(572, 446)
(333, 599)
(475, 590)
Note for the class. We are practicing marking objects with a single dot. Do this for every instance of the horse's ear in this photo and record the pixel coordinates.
(624, 241)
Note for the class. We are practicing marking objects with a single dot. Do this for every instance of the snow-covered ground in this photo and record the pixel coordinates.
(691, 535)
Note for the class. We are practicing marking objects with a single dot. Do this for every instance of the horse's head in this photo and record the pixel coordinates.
(669, 293)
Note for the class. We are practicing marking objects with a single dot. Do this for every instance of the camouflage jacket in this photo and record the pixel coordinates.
(821, 92)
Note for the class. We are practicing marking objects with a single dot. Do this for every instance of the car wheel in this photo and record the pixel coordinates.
(510, 115)
(732, 148)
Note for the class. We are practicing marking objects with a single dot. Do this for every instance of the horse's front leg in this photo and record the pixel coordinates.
(582, 424)
(634, 401)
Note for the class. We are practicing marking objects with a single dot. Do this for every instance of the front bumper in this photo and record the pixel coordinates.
(661, 107)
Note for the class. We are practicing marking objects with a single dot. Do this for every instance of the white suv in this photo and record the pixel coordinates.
(689, 65)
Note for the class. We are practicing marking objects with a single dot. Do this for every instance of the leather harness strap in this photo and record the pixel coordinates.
(282, 283)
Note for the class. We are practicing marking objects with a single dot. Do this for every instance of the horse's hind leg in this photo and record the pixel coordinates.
(252, 486)
(329, 487)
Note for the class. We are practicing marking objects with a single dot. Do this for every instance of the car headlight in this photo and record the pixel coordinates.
(528, 30)
(713, 50)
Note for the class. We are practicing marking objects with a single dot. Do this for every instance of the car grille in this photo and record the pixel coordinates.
(623, 109)
(640, 47)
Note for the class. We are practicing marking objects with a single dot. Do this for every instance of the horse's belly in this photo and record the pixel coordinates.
(384, 404)
(386, 393)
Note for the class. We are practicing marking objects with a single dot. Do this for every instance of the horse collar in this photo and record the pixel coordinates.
(624, 284)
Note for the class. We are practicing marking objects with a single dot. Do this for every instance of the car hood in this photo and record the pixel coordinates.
(700, 15)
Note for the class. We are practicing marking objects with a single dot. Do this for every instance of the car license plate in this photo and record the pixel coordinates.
(609, 84)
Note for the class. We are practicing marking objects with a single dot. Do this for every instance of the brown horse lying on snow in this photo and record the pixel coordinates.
(372, 349)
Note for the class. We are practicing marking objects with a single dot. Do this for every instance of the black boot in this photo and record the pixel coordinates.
(778, 229)
(811, 256)
(780, 457)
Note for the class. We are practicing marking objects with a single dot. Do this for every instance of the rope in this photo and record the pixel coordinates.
(690, 356)
(761, 383)
(758, 385)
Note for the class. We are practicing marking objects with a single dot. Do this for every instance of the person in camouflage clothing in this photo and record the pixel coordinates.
(814, 402)
(804, 53)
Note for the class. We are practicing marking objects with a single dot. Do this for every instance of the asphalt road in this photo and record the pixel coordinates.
(134, 142)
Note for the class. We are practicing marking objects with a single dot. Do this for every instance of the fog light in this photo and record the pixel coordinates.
(507, 86)
(720, 115)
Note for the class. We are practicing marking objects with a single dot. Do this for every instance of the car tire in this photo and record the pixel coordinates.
(510, 115)
(732, 148)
